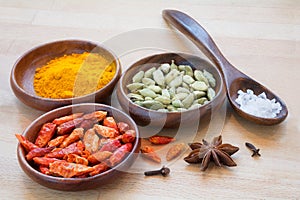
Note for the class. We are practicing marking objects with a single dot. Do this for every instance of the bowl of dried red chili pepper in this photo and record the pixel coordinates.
(78, 147)
(60, 73)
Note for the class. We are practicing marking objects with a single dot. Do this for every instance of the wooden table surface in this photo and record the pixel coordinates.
(261, 38)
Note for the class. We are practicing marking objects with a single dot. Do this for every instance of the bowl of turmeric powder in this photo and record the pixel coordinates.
(65, 72)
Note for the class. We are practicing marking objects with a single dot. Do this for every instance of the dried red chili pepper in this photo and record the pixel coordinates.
(174, 151)
(76, 135)
(99, 156)
(106, 131)
(91, 141)
(45, 134)
(157, 139)
(74, 148)
(38, 152)
(57, 141)
(110, 122)
(68, 127)
(85, 153)
(69, 170)
(74, 158)
(102, 167)
(25, 143)
(123, 127)
(119, 154)
(80, 146)
(149, 153)
(111, 145)
(44, 161)
(128, 136)
(98, 115)
(44, 169)
(67, 118)
(88, 123)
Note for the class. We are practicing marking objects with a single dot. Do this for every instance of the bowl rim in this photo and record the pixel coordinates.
(78, 98)
(20, 150)
(218, 94)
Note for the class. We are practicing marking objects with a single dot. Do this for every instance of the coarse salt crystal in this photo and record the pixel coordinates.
(259, 106)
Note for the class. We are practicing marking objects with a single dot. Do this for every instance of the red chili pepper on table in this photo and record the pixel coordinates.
(175, 151)
(149, 153)
(45, 134)
(157, 139)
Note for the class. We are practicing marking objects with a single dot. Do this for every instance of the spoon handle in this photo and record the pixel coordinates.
(200, 37)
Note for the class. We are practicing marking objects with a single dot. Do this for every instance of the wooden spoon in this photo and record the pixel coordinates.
(234, 79)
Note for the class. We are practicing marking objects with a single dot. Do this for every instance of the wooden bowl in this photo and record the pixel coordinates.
(22, 74)
(75, 184)
(144, 116)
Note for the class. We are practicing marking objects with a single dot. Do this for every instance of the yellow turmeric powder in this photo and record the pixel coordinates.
(73, 75)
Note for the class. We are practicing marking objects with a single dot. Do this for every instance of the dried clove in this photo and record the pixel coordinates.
(164, 171)
(253, 149)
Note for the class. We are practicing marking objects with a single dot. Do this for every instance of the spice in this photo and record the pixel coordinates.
(73, 75)
(74, 136)
(45, 134)
(78, 152)
(160, 139)
(149, 153)
(68, 126)
(64, 119)
(171, 88)
(253, 149)
(214, 151)
(259, 106)
(175, 151)
(164, 171)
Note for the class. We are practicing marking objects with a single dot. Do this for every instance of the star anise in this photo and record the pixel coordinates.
(215, 151)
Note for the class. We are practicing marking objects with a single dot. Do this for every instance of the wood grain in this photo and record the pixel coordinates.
(262, 38)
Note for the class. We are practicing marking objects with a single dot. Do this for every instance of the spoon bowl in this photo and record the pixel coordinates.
(234, 79)
(246, 83)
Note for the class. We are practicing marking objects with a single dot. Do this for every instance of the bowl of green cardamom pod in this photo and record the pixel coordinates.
(65, 72)
(170, 90)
